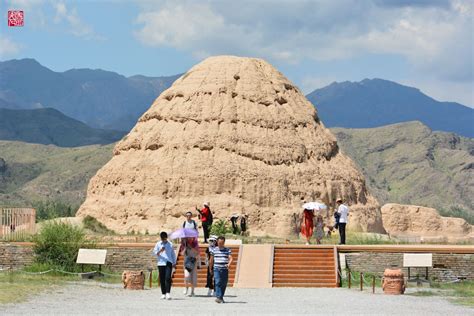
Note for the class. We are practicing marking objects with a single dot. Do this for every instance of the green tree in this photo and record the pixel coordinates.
(57, 244)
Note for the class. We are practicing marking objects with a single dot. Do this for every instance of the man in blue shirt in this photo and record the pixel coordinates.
(166, 262)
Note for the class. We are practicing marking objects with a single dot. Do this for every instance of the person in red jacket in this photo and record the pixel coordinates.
(206, 219)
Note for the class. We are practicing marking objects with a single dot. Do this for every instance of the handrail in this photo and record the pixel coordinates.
(459, 249)
(272, 261)
(237, 269)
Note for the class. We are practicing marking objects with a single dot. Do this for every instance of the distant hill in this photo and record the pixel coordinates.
(402, 163)
(49, 126)
(101, 99)
(408, 163)
(377, 102)
(35, 172)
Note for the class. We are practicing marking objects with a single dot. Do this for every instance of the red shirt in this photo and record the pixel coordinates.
(205, 214)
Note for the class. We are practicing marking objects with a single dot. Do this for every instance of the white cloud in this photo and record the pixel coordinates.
(435, 37)
(8, 48)
(76, 26)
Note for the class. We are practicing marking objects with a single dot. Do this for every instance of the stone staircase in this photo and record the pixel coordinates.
(178, 278)
(309, 266)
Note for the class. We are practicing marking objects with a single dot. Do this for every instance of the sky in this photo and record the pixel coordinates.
(427, 44)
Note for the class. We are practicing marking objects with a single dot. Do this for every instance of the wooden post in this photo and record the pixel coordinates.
(361, 281)
(373, 284)
(151, 278)
(349, 278)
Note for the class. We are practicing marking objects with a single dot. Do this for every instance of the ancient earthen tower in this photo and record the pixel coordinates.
(234, 132)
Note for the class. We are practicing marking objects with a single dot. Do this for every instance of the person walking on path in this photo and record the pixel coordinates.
(190, 251)
(307, 225)
(189, 222)
(206, 219)
(221, 259)
(210, 278)
(319, 229)
(343, 212)
(166, 262)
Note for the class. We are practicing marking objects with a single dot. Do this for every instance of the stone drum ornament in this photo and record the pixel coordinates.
(133, 280)
(393, 282)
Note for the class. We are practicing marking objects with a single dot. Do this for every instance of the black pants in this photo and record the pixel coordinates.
(209, 280)
(206, 228)
(342, 233)
(165, 277)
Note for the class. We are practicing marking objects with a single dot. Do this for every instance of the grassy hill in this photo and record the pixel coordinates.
(403, 163)
(410, 164)
(49, 126)
(32, 172)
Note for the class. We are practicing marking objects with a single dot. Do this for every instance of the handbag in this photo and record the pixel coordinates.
(189, 263)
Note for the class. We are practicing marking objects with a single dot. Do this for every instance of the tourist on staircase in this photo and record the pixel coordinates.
(166, 262)
(189, 249)
(307, 225)
(206, 219)
(221, 259)
(343, 212)
(189, 222)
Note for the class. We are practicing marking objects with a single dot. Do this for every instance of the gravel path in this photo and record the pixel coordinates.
(106, 299)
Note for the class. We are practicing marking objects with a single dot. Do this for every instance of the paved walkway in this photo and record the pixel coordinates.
(105, 299)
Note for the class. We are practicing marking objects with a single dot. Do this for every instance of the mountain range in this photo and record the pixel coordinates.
(49, 126)
(101, 99)
(105, 99)
(377, 102)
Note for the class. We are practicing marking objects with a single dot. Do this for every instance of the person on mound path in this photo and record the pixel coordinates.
(206, 219)
(221, 259)
(166, 262)
(343, 212)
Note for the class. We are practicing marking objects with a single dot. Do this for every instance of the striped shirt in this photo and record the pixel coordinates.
(221, 257)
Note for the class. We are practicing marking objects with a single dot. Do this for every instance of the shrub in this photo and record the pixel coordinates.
(220, 228)
(57, 244)
(456, 211)
(94, 225)
(53, 209)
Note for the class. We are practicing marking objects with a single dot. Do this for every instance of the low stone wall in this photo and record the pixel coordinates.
(118, 258)
(14, 256)
(446, 267)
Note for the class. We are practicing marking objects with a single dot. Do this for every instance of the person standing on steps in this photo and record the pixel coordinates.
(221, 259)
(206, 219)
(166, 262)
(189, 222)
(343, 212)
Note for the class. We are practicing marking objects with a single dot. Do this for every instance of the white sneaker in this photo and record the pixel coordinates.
(209, 292)
(163, 296)
(168, 296)
(185, 291)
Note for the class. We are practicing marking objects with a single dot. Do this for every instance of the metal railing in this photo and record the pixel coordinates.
(17, 223)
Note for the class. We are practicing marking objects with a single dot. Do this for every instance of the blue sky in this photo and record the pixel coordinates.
(425, 44)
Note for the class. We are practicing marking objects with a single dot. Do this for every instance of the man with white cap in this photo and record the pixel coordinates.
(206, 219)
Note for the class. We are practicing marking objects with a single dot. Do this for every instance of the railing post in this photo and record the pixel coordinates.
(349, 279)
(361, 281)
(373, 284)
